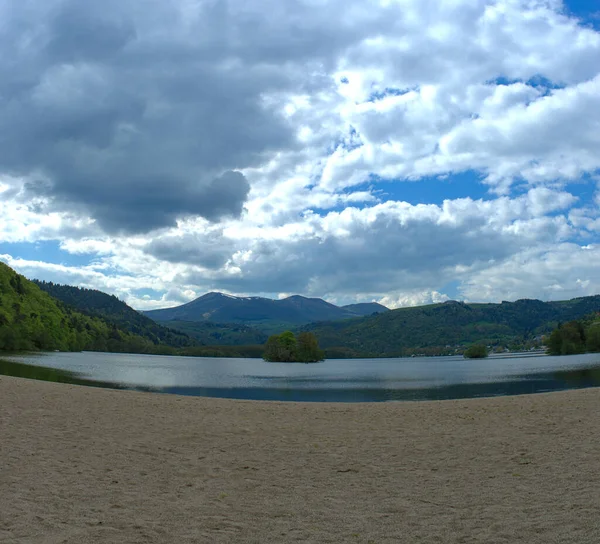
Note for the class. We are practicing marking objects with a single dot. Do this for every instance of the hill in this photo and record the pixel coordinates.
(266, 314)
(30, 319)
(220, 334)
(365, 308)
(96, 303)
(442, 328)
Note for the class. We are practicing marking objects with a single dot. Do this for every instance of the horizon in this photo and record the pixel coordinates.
(325, 300)
(400, 153)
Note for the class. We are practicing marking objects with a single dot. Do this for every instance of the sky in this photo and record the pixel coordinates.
(399, 151)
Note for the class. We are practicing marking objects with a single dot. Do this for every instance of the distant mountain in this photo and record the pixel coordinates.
(264, 313)
(32, 319)
(111, 309)
(438, 327)
(366, 308)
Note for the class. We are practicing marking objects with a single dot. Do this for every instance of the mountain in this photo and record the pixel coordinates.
(441, 328)
(30, 319)
(366, 308)
(111, 309)
(264, 313)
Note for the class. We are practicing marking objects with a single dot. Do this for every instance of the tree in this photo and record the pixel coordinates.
(554, 342)
(592, 337)
(567, 339)
(308, 348)
(286, 348)
(476, 351)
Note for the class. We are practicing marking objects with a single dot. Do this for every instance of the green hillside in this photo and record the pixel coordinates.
(365, 308)
(220, 334)
(31, 319)
(443, 328)
(98, 304)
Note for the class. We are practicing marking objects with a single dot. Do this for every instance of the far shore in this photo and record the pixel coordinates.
(491, 355)
(87, 465)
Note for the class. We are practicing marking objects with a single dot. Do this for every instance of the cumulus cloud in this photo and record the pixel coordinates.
(548, 273)
(208, 250)
(388, 248)
(244, 146)
(107, 114)
(414, 298)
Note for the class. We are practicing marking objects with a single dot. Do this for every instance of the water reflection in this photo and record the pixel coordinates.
(48, 374)
(366, 380)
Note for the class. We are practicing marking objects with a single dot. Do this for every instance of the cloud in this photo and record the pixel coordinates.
(556, 272)
(414, 298)
(244, 146)
(209, 250)
(387, 248)
(516, 99)
(110, 117)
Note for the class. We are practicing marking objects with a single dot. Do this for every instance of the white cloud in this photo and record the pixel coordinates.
(145, 122)
(553, 272)
(418, 298)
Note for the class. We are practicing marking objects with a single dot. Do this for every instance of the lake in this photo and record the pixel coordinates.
(335, 380)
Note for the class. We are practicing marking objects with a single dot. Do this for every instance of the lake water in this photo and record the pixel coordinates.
(336, 380)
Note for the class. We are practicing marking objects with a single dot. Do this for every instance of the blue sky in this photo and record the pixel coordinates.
(404, 153)
(587, 10)
(44, 250)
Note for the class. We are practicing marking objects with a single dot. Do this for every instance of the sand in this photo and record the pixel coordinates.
(86, 465)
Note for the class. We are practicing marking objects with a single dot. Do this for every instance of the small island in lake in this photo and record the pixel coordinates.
(476, 351)
(287, 348)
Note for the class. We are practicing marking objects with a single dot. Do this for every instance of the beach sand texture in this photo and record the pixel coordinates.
(86, 465)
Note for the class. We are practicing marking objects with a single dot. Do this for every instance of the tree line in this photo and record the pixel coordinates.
(577, 336)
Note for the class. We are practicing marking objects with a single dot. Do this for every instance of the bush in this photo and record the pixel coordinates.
(476, 351)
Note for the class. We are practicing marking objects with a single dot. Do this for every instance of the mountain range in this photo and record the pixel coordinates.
(265, 314)
(48, 316)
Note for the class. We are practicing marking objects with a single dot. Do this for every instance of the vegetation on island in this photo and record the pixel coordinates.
(288, 348)
(476, 351)
(577, 336)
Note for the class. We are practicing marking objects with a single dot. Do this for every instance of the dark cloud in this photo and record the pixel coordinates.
(137, 117)
(83, 31)
(210, 250)
(150, 202)
(386, 253)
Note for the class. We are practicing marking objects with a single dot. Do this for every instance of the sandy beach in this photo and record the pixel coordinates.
(86, 465)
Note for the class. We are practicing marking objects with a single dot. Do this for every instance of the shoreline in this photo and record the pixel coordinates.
(92, 465)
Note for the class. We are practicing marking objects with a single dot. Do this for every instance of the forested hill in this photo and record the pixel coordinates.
(96, 303)
(30, 319)
(440, 328)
